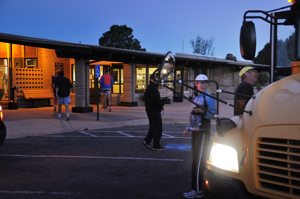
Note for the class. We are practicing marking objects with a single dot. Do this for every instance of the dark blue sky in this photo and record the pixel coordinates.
(159, 25)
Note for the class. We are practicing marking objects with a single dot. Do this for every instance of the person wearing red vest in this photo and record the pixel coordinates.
(106, 82)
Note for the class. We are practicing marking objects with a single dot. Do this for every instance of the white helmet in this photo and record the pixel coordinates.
(201, 77)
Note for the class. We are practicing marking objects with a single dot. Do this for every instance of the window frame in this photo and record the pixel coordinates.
(120, 84)
(30, 66)
(147, 74)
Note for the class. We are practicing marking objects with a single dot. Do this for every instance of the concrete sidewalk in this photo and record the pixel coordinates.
(24, 122)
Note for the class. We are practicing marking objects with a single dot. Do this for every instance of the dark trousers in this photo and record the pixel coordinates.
(155, 129)
(200, 144)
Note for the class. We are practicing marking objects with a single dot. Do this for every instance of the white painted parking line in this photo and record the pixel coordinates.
(122, 133)
(37, 192)
(170, 136)
(109, 136)
(100, 131)
(63, 136)
(89, 134)
(125, 134)
(88, 157)
(82, 136)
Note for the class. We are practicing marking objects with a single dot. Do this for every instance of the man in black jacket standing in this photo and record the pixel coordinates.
(154, 105)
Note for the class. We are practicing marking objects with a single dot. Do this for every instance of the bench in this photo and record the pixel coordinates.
(165, 94)
(34, 94)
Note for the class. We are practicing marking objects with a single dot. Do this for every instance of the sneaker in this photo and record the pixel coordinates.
(193, 194)
(109, 109)
(67, 119)
(145, 144)
(159, 148)
(59, 116)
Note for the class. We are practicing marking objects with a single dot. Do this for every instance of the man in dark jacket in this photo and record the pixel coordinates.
(63, 87)
(154, 105)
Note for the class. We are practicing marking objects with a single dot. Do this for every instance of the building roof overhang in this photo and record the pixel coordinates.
(101, 53)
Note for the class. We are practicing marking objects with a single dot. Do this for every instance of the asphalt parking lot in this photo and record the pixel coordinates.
(106, 163)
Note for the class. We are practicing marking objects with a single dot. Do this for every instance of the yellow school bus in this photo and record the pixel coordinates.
(257, 155)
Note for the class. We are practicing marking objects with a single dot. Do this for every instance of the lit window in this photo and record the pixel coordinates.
(140, 78)
(117, 76)
(4, 79)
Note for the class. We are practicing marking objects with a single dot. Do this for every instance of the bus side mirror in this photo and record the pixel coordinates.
(224, 125)
(248, 40)
(167, 65)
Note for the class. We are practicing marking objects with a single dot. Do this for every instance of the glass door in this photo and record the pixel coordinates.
(179, 74)
(92, 84)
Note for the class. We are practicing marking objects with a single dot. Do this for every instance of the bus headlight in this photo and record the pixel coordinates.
(224, 157)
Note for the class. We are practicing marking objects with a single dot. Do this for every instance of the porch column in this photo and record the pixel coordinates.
(128, 85)
(82, 90)
(191, 75)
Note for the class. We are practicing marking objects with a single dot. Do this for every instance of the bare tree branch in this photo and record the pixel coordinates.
(202, 46)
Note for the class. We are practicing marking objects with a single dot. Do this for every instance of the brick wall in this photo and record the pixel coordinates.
(127, 85)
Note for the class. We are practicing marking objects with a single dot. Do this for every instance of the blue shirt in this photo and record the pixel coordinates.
(211, 106)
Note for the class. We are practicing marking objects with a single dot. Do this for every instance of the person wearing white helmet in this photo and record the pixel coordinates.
(200, 134)
(249, 76)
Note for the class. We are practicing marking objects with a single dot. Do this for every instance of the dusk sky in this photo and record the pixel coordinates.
(160, 26)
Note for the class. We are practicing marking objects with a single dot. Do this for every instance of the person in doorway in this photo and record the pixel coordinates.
(200, 134)
(63, 87)
(54, 92)
(249, 76)
(106, 82)
(153, 105)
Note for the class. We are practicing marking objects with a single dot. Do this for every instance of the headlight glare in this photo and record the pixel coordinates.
(224, 157)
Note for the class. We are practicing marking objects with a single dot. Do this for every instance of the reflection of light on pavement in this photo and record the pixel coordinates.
(182, 147)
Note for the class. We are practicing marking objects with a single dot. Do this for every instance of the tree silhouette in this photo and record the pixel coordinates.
(290, 47)
(120, 37)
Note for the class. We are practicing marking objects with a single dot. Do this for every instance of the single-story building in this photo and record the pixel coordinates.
(28, 64)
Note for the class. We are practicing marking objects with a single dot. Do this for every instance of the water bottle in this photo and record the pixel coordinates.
(195, 121)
